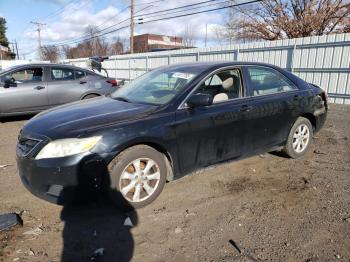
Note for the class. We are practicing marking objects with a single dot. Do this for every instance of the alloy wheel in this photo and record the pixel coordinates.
(301, 138)
(139, 180)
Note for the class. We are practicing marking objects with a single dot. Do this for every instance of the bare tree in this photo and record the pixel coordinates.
(93, 45)
(50, 52)
(117, 47)
(279, 19)
(188, 39)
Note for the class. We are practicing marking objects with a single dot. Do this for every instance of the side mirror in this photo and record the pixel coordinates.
(199, 100)
(9, 82)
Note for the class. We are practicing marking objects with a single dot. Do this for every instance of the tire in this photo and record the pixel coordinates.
(90, 96)
(127, 186)
(299, 138)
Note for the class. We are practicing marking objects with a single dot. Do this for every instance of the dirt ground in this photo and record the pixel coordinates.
(262, 208)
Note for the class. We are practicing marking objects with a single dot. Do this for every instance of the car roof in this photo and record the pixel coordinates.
(47, 64)
(212, 64)
(204, 66)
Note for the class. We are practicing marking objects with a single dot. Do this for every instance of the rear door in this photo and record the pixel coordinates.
(215, 133)
(275, 107)
(66, 85)
(28, 92)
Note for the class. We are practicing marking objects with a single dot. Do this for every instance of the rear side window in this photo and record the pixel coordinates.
(265, 81)
(79, 74)
(61, 74)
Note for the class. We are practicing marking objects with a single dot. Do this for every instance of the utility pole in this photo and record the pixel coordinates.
(13, 47)
(16, 49)
(39, 37)
(131, 26)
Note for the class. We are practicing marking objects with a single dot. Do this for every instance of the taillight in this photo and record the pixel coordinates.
(113, 82)
(324, 97)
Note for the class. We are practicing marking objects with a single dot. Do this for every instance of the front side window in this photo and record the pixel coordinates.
(62, 74)
(28, 75)
(265, 81)
(156, 87)
(222, 86)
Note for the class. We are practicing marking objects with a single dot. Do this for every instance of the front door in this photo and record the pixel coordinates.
(27, 92)
(215, 133)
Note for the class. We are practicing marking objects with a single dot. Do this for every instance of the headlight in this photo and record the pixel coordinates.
(67, 147)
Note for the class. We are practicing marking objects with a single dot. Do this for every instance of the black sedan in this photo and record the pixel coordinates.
(165, 124)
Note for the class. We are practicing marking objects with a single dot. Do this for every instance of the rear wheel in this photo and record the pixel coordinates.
(299, 138)
(138, 174)
(90, 96)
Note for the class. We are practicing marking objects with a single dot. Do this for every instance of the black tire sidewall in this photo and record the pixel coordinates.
(117, 166)
(289, 146)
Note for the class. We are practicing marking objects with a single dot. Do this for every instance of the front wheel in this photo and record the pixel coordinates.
(138, 174)
(299, 138)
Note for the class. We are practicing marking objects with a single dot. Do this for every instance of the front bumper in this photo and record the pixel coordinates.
(54, 180)
(61, 180)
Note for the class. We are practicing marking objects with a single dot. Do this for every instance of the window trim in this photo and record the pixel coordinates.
(75, 78)
(271, 69)
(27, 68)
(242, 89)
(58, 67)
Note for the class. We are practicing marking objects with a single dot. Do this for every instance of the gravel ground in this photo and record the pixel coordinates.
(262, 208)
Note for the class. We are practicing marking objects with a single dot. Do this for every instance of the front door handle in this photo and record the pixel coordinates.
(39, 87)
(245, 108)
(82, 82)
(297, 97)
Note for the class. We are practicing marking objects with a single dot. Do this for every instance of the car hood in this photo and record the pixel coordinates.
(75, 119)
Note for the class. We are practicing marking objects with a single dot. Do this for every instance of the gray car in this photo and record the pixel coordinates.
(29, 89)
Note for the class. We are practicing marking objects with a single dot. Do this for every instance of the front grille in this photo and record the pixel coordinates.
(25, 146)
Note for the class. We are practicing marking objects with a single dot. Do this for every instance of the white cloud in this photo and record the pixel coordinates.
(72, 22)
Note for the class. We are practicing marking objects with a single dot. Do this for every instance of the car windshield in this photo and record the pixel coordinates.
(7, 69)
(156, 87)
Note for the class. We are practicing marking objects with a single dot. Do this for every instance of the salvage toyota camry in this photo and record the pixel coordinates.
(165, 124)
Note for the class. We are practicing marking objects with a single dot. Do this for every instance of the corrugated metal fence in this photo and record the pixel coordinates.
(322, 60)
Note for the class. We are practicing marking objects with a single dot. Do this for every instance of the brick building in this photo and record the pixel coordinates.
(149, 42)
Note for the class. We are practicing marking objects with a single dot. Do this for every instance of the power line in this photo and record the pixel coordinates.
(200, 12)
(165, 12)
(58, 11)
(190, 9)
(55, 13)
(71, 41)
(166, 18)
(149, 2)
(105, 21)
(176, 8)
(161, 11)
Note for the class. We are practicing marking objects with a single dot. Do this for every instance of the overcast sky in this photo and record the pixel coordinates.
(67, 19)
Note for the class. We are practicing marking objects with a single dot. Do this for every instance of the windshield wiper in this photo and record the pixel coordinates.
(122, 99)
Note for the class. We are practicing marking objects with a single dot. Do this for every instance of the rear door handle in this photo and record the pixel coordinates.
(82, 82)
(245, 108)
(297, 97)
(39, 87)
